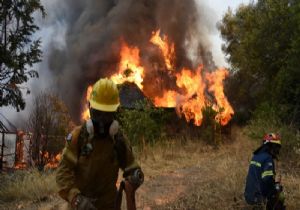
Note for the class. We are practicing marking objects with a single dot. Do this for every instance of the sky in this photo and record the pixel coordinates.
(217, 9)
(220, 7)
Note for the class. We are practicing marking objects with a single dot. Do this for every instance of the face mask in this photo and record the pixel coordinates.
(102, 117)
(101, 121)
(102, 130)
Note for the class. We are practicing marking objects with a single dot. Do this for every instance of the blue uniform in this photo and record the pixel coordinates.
(260, 184)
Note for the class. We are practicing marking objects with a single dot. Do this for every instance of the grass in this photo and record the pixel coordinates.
(212, 179)
(26, 185)
(179, 174)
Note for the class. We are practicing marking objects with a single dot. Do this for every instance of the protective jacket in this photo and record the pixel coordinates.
(260, 183)
(90, 165)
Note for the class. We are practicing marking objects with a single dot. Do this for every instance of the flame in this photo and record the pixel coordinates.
(58, 157)
(20, 161)
(191, 102)
(129, 69)
(52, 160)
(167, 100)
(194, 101)
(168, 50)
(215, 80)
(85, 115)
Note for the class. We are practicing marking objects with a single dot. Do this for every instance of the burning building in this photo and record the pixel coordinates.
(192, 90)
(16, 149)
(162, 47)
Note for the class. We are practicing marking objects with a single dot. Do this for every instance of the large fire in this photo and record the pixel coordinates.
(130, 69)
(193, 86)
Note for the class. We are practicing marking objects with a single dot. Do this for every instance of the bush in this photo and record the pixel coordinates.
(142, 125)
(210, 130)
(267, 119)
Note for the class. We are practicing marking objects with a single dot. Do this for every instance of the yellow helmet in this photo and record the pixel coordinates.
(105, 96)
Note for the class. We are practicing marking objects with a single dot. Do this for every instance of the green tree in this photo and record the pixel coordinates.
(262, 46)
(18, 51)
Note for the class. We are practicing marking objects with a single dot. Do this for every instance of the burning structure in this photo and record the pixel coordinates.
(8, 141)
(161, 46)
(191, 92)
(16, 149)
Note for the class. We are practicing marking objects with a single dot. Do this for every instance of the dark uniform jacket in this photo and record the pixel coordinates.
(260, 183)
(90, 166)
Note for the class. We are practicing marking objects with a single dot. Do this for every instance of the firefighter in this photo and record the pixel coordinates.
(94, 152)
(261, 187)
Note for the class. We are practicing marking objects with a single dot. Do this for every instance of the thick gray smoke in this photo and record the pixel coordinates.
(94, 29)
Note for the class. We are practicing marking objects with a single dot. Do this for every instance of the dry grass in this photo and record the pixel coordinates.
(200, 177)
(26, 185)
(179, 175)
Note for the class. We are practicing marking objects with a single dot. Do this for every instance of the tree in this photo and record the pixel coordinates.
(18, 51)
(262, 46)
(49, 121)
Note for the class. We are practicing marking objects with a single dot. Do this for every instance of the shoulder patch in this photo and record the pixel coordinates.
(73, 136)
(69, 137)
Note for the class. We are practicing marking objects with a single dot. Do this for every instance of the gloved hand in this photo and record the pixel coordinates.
(281, 197)
(81, 202)
(278, 187)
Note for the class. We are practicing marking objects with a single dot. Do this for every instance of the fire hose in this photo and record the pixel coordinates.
(129, 185)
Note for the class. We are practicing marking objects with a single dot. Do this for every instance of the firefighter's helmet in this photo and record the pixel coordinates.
(272, 138)
(105, 96)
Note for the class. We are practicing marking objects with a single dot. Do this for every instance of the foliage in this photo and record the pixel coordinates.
(18, 51)
(266, 119)
(210, 127)
(263, 48)
(144, 124)
(49, 121)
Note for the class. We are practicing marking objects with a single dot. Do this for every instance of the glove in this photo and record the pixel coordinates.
(278, 187)
(281, 197)
(81, 202)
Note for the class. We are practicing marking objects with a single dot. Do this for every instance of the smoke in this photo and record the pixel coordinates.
(84, 44)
